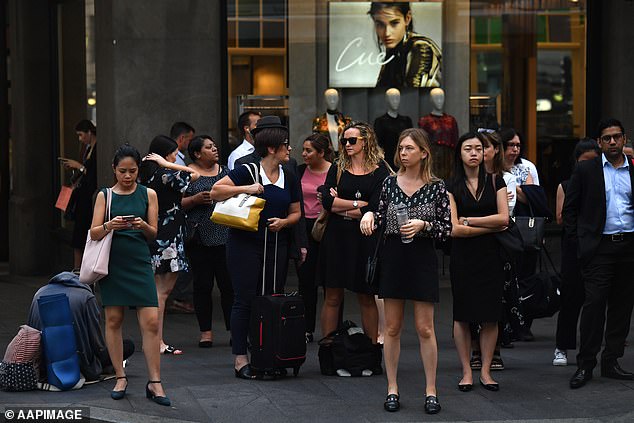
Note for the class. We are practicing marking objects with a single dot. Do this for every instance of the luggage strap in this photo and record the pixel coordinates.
(266, 233)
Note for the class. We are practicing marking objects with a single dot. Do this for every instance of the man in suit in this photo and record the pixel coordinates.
(599, 213)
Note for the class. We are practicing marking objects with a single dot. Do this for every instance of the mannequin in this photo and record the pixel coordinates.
(332, 122)
(389, 126)
(443, 134)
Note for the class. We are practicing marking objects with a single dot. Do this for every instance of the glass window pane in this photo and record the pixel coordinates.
(495, 30)
(542, 37)
(248, 34)
(273, 8)
(559, 28)
(231, 8)
(481, 31)
(273, 33)
(231, 34)
(248, 8)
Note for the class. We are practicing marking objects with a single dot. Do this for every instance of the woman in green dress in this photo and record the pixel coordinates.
(130, 281)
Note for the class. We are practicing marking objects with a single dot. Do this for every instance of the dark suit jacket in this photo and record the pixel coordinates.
(299, 238)
(584, 210)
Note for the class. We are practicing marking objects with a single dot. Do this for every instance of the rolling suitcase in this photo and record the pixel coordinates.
(277, 328)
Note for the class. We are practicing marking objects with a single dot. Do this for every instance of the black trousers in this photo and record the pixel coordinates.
(607, 279)
(245, 260)
(572, 297)
(208, 263)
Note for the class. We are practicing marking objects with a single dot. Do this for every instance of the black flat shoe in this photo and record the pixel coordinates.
(205, 344)
(391, 403)
(490, 386)
(614, 371)
(432, 406)
(466, 387)
(117, 395)
(153, 397)
(580, 378)
(245, 372)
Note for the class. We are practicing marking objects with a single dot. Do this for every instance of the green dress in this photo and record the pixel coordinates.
(130, 280)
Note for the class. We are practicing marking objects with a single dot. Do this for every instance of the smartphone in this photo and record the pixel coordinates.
(129, 217)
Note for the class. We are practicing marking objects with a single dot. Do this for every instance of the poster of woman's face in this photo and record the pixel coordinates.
(385, 44)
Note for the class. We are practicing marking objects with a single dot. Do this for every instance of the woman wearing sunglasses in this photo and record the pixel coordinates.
(429, 218)
(352, 188)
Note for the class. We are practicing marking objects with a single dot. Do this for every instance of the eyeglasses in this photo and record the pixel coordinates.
(350, 140)
(514, 145)
(486, 130)
(606, 138)
(286, 144)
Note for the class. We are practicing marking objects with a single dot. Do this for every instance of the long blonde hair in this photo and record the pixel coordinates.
(421, 139)
(373, 153)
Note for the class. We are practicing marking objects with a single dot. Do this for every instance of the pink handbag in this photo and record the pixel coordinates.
(94, 264)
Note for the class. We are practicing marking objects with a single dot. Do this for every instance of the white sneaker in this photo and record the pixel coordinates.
(561, 358)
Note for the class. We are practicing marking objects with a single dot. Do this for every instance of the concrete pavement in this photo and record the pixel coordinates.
(202, 386)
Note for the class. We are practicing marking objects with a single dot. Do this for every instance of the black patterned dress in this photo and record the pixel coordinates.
(410, 271)
(168, 249)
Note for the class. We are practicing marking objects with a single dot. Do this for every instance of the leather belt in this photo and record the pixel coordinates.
(622, 236)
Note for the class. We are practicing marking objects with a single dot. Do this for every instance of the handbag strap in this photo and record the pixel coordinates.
(550, 260)
(381, 234)
(253, 171)
(108, 202)
(266, 232)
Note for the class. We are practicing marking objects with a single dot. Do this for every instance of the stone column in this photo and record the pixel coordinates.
(157, 62)
(31, 210)
(302, 76)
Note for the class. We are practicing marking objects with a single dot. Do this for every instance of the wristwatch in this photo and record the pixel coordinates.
(355, 204)
(465, 222)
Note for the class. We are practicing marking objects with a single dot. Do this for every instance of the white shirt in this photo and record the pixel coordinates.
(532, 169)
(242, 150)
(511, 186)
(180, 158)
(266, 181)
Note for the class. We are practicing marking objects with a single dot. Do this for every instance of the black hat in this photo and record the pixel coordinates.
(267, 122)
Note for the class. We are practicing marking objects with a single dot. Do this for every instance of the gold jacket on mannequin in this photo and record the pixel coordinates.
(416, 62)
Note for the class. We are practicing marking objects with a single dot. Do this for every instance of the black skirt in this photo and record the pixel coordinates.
(343, 256)
(408, 271)
(477, 279)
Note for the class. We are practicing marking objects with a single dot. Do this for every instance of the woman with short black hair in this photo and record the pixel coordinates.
(245, 250)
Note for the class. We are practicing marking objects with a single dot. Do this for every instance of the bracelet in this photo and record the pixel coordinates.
(105, 227)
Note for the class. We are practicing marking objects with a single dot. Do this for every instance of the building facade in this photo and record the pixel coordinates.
(549, 68)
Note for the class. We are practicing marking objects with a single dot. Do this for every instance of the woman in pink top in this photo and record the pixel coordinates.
(317, 154)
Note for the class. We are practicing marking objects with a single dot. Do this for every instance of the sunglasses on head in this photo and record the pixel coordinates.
(350, 140)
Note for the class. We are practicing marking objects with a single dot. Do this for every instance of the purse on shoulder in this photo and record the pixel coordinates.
(319, 228)
(94, 263)
(241, 211)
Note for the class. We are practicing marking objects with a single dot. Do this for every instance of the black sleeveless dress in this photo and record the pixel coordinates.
(477, 268)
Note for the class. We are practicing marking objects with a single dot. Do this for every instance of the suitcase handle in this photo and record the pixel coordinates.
(266, 233)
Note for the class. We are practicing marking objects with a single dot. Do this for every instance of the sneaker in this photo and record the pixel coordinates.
(497, 363)
(561, 358)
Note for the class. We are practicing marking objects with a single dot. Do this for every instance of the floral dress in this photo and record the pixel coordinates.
(168, 249)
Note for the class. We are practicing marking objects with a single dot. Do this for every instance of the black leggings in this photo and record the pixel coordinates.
(207, 263)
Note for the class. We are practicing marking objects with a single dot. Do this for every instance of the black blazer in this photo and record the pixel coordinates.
(584, 210)
(299, 238)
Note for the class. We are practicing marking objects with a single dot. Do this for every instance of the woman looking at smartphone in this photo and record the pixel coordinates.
(130, 280)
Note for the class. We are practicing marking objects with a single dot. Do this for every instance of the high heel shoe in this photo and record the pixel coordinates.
(151, 395)
(117, 395)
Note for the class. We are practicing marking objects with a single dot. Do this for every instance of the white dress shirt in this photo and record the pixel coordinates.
(242, 150)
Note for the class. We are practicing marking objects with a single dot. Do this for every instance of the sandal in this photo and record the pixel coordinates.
(169, 349)
(432, 406)
(392, 403)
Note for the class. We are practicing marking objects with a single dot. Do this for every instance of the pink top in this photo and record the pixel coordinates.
(310, 182)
